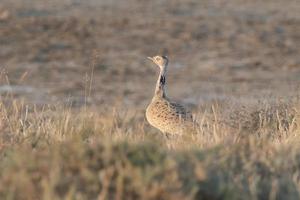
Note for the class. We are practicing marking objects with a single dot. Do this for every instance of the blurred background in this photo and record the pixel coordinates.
(94, 52)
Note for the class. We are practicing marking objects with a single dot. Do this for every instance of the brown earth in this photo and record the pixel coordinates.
(219, 50)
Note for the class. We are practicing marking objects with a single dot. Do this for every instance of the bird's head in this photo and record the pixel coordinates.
(161, 61)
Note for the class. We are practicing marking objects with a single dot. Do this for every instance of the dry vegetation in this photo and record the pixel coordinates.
(74, 84)
(57, 153)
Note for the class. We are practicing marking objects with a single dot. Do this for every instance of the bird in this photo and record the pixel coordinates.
(171, 118)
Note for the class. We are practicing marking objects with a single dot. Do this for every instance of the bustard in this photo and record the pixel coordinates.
(169, 117)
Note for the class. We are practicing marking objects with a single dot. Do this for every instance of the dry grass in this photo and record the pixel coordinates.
(53, 152)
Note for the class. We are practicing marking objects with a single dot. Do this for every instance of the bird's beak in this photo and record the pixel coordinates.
(150, 58)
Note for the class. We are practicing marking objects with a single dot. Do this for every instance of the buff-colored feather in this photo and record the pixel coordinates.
(165, 115)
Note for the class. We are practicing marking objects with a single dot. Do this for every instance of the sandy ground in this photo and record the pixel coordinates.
(219, 50)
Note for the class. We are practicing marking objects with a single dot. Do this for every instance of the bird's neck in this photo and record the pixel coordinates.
(161, 82)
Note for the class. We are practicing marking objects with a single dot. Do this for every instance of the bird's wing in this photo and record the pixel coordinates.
(181, 110)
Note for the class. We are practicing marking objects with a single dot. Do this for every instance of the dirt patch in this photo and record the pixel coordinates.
(216, 48)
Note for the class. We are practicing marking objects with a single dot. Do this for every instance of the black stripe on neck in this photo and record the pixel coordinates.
(162, 80)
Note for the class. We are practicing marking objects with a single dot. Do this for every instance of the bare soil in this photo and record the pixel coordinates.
(94, 52)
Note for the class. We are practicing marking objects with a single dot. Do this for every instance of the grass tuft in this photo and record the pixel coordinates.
(59, 153)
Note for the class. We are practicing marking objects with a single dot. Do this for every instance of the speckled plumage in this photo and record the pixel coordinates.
(163, 114)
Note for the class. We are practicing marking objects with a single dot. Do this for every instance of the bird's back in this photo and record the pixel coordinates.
(169, 117)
